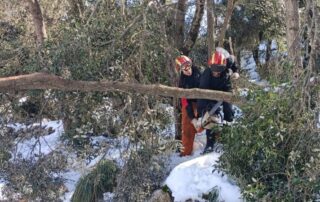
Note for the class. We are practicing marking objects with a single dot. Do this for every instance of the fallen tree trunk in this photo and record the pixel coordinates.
(47, 81)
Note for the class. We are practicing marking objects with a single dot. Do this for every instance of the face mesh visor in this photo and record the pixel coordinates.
(217, 68)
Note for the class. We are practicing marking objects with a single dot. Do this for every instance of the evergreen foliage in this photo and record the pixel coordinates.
(213, 195)
(100, 180)
(254, 21)
(273, 150)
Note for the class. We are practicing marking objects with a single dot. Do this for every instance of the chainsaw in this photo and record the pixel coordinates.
(209, 119)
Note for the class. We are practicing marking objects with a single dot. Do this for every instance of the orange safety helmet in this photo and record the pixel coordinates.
(218, 61)
(182, 60)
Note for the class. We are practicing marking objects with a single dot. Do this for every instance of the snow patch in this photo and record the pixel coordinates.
(42, 145)
(191, 179)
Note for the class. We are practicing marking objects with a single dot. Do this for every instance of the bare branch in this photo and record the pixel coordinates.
(47, 81)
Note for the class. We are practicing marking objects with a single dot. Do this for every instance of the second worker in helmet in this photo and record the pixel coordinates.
(189, 78)
(221, 69)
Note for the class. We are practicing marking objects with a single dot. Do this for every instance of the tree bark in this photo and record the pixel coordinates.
(293, 38)
(47, 81)
(224, 28)
(314, 61)
(40, 30)
(195, 26)
(180, 21)
(211, 23)
(184, 46)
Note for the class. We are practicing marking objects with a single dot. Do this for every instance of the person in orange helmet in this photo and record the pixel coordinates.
(222, 68)
(189, 78)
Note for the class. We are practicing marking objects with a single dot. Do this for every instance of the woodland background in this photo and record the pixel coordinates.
(272, 151)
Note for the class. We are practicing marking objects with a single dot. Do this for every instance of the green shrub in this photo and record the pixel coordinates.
(213, 195)
(91, 187)
(273, 150)
(4, 156)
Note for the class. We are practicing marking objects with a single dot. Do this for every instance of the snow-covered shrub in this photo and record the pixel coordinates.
(273, 151)
(100, 180)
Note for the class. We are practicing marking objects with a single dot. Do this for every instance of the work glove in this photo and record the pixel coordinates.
(209, 121)
(196, 123)
(235, 76)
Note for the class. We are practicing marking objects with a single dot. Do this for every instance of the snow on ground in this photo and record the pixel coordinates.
(72, 177)
(43, 145)
(192, 176)
(262, 52)
(248, 64)
(2, 186)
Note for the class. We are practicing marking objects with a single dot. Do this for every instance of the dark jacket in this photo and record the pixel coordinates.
(232, 65)
(222, 83)
(188, 82)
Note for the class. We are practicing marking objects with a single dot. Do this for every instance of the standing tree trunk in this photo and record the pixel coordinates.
(293, 38)
(224, 28)
(170, 35)
(195, 26)
(308, 35)
(175, 34)
(180, 21)
(211, 23)
(314, 61)
(40, 30)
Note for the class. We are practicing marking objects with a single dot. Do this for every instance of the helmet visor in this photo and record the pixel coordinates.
(217, 68)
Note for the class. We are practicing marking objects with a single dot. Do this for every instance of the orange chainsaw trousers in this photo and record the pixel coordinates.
(188, 131)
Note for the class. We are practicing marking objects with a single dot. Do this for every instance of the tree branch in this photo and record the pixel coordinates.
(47, 81)
(195, 27)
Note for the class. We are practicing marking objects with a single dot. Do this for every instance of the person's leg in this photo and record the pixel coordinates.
(188, 133)
(210, 141)
(228, 112)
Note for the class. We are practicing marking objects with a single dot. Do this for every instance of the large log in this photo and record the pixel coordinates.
(47, 81)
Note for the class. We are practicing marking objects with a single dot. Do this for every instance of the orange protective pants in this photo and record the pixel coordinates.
(188, 131)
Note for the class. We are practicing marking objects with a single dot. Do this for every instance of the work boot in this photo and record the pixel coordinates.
(210, 143)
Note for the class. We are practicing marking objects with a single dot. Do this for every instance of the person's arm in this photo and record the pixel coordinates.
(231, 64)
(204, 84)
(228, 113)
(194, 84)
(227, 84)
